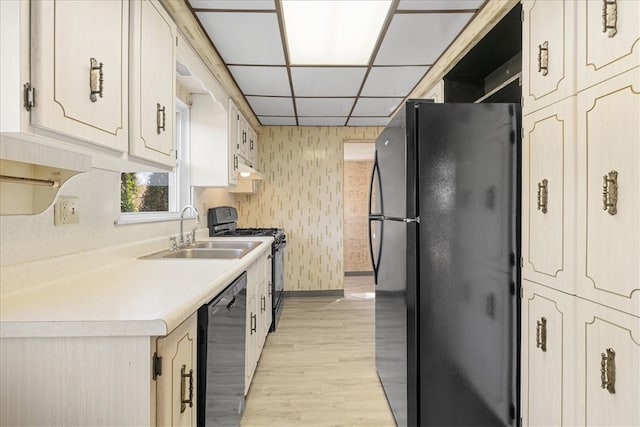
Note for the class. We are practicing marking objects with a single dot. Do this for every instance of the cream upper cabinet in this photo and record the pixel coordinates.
(243, 137)
(608, 39)
(176, 386)
(608, 217)
(548, 55)
(79, 60)
(233, 159)
(607, 366)
(548, 168)
(252, 156)
(152, 83)
(547, 378)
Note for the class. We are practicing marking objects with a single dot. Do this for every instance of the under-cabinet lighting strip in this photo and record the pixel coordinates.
(30, 181)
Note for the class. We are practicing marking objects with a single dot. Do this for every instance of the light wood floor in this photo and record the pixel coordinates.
(318, 368)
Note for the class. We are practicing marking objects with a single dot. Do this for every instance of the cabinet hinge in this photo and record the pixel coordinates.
(156, 366)
(29, 96)
(521, 262)
(520, 422)
(176, 41)
(522, 15)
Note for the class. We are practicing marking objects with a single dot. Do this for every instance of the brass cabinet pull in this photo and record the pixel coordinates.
(254, 323)
(161, 118)
(543, 195)
(543, 58)
(96, 79)
(610, 17)
(610, 192)
(183, 376)
(608, 370)
(541, 334)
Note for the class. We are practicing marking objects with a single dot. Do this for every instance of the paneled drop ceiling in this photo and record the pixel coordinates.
(251, 38)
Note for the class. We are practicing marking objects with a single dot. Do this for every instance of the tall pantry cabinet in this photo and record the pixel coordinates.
(581, 213)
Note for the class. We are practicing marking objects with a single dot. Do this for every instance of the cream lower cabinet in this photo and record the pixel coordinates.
(79, 60)
(608, 41)
(258, 308)
(608, 225)
(607, 366)
(152, 83)
(548, 201)
(176, 386)
(547, 357)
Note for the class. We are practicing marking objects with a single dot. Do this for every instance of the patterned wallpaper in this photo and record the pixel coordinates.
(302, 192)
(356, 199)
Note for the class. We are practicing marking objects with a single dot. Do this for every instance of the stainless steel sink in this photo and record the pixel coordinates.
(227, 245)
(208, 250)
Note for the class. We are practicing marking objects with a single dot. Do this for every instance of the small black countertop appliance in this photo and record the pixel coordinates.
(222, 221)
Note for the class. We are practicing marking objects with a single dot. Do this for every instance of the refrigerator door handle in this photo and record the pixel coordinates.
(375, 172)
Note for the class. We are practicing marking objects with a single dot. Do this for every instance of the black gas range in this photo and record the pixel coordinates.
(222, 221)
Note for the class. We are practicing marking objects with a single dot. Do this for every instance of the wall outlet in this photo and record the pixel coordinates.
(66, 211)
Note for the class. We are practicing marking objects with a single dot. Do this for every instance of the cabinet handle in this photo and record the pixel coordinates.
(235, 162)
(608, 370)
(269, 287)
(541, 334)
(610, 192)
(183, 376)
(543, 58)
(96, 79)
(263, 304)
(610, 17)
(543, 195)
(161, 118)
(254, 323)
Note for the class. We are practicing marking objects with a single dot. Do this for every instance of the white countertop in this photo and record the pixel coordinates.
(137, 297)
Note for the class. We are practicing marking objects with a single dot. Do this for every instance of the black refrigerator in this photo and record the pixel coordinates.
(444, 242)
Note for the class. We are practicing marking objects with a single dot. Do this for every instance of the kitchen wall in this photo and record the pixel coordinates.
(303, 193)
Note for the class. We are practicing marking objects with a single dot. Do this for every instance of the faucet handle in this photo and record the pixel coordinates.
(174, 243)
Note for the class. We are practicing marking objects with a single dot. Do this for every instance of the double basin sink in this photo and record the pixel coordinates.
(208, 250)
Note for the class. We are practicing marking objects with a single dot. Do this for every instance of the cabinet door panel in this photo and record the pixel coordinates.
(608, 240)
(546, 379)
(152, 83)
(66, 36)
(178, 352)
(234, 124)
(606, 52)
(548, 170)
(601, 329)
(547, 51)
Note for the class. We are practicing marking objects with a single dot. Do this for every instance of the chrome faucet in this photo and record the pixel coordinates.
(181, 242)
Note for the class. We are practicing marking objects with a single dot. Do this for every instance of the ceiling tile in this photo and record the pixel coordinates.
(439, 4)
(270, 106)
(322, 121)
(399, 46)
(392, 81)
(324, 106)
(264, 81)
(233, 4)
(277, 121)
(376, 106)
(311, 81)
(245, 38)
(368, 121)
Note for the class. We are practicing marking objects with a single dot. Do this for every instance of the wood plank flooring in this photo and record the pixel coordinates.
(318, 368)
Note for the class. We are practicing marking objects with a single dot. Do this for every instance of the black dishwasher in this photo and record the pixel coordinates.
(221, 347)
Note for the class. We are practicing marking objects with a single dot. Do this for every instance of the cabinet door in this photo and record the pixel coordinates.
(548, 169)
(79, 70)
(243, 134)
(268, 268)
(253, 148)
(547, 360)
(608, 366)
(153, 41)
(608, 38)
(177, 383)
(234, 123)
(251, 358)
(609, 162)
(548, 54)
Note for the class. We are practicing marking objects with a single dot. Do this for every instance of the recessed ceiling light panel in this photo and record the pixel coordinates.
(333, 32)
